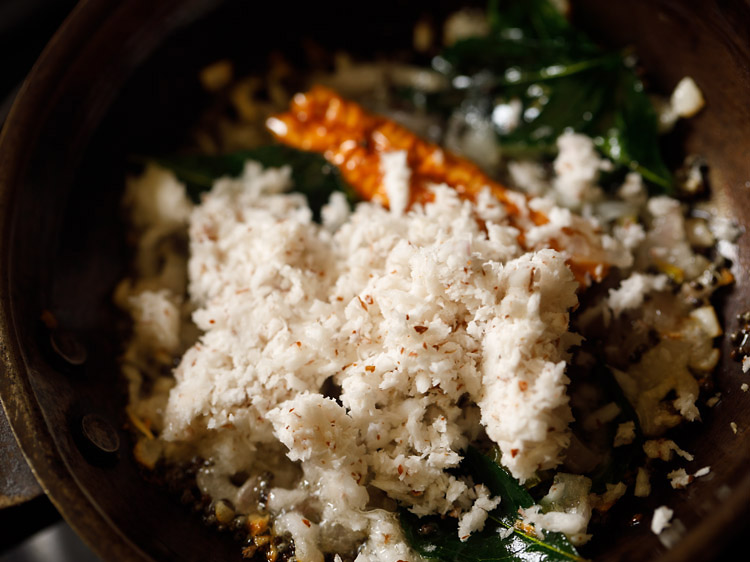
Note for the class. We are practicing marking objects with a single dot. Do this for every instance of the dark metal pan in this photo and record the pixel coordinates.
(120, 78)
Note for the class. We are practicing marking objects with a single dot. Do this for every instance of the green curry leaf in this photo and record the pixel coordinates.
(311, 174)
(436, 538)
(619, 461)
(562, 81)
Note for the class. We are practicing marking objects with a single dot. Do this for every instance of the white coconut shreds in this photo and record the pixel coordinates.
(432, 326)
(633, 290)
(474, 519)
(679, 478)
(566, 508)
(392, 307)
(669, 530)
(625, 434)
(577, 166)
(661, 519)
(663, 448)
(355, 359)
(396, 174)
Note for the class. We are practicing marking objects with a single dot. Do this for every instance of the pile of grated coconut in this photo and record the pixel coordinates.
(355, 359)
(433, 327)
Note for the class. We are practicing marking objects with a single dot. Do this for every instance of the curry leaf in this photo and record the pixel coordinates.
(437, 538)
(534, 18)
(312, 175)
(490, 472)
(619, 461)
(633, 140)
(558, 80)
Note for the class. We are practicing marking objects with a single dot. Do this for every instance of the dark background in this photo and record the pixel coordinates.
(33, 531)
(25, 28)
